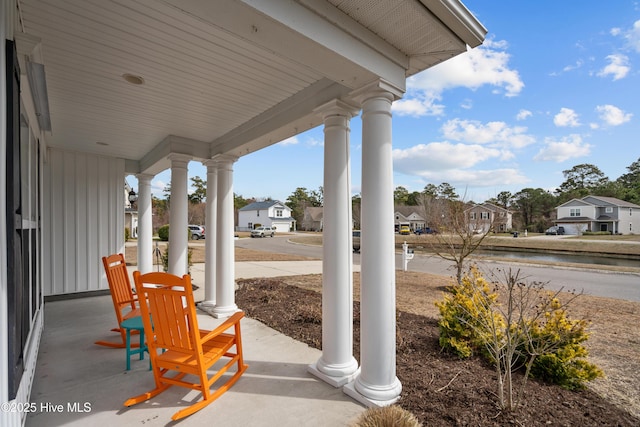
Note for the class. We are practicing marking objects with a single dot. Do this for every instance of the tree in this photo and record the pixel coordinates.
(400, 196)
(503, 199)
(446, 191)
(199, 195)
(414, 198)
(430, 190)
(457, 237)
(630, 182)
(534, 207)
(300, 199)
(581, 180)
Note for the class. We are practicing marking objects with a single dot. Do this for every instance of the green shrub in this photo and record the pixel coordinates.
(461, 313)
(543, 338)
(127, 234)
(163, 233)
(565, 364)
(165, 259)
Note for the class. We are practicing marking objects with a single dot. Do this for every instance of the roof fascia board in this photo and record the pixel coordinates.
(318, 29)
(355, 29)
(575, 202)
(459, 19)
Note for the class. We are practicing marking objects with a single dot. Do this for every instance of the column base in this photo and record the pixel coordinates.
(371, 396)
(223, 312)
(207, 306)
(335, 375)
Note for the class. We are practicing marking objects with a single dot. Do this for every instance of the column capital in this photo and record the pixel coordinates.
(179, 160)
(210, 163)
(375, 89)
(222, 161)
(144, 177)
(224, 158)
(337, 107)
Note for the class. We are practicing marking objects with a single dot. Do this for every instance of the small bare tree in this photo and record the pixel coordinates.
(524, 322)
(458, 233)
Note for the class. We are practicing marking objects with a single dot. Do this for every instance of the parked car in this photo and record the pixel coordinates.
(356, 240)
(554, 230)
(197, 231)
(405, 229)
(427, 230)
(263, 232)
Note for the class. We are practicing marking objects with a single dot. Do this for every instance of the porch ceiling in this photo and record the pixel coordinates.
(224, 76)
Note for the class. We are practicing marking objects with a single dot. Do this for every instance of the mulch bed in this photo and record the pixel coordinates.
(438, 388)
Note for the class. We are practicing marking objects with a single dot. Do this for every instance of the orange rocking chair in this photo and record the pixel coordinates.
(177, 346)
(124, 300)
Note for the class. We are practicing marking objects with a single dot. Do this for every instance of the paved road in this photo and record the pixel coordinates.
(599, 283)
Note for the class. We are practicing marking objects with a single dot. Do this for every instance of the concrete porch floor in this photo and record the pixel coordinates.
(78, 383)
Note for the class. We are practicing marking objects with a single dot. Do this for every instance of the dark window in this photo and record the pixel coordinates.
(24, 292)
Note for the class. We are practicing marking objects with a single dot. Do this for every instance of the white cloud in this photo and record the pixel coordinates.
(467, 104)
(314, 142)
(523, 114)
(612, 115)
(495, 134)
(618, 67)
(567, 148)
(633, 36)
(579, 63)
(420, 158)
(566, 118)
(484, 65)
(290, 141)
(418, 107)
(157, 186)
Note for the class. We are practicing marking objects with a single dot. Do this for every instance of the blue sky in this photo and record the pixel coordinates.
(555, 84)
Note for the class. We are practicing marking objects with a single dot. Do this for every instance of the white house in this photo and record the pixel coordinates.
(91, 92)
(597, 213)
(270, 213)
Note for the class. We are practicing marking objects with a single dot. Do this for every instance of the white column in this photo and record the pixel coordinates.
(377, 384)
(210, 237)
(145, 224)
(225, 255)
(337, 366)
(178, 236)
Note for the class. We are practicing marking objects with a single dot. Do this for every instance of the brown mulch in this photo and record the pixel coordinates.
(442, 390)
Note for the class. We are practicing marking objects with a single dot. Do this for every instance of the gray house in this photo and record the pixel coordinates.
(597, 213)
(487, 216)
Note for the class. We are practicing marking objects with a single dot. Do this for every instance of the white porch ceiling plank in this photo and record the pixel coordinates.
(177, 65)
(271, 35)
(223, 75)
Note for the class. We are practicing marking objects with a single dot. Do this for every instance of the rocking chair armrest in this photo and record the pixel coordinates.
(229, 323)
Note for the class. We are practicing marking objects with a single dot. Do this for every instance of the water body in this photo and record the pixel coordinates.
(566, 258)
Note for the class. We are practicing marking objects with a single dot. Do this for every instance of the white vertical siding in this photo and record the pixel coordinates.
(85, 221)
